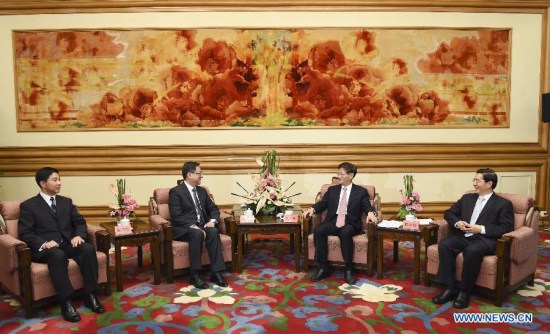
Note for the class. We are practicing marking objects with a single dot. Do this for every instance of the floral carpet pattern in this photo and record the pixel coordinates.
(269, 297)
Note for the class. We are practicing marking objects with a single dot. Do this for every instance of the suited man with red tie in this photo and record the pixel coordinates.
(54, 230)
(477, 220)
(345, 203)
(194, 218)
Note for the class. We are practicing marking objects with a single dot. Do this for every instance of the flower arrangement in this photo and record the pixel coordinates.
(125, 205)
(268, 196)
(410, 199)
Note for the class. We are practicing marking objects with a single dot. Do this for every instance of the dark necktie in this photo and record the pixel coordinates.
(198, 207)
(53, 206)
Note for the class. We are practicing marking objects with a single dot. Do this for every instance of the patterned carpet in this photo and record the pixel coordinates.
(269, 297)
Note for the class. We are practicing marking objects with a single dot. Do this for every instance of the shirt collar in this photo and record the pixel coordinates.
(189, 187)
(486, 197)
(47, 197)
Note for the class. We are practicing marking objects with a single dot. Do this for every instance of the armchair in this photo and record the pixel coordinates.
(516, 255)
(364, 244)
(175, 254)
(29, 282)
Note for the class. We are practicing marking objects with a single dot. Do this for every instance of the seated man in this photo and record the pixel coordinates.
(477, 221)
(54, 230)
(345, 203)
(194, 218)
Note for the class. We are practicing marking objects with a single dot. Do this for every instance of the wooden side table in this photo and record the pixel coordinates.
(265, 225)
(426, 233)
(141, 235)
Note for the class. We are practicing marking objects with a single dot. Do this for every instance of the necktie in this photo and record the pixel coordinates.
(198, 206)
(475, 214)
(53, 206)
(341, 220)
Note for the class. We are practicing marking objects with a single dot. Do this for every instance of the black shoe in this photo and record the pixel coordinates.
(462, 301)
(198, 282)
(217, 279)
(321, 274)
(348, 276)
(93, 304)
(446, 296)
(69, 312)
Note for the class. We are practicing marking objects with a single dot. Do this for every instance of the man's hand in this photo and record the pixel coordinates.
(371, 217)
(474, 229)
(308, 213)
(210, 224)
(198, 228)
(76, 241)
(50, 244)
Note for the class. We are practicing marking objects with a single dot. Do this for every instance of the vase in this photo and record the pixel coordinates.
(269, 210)
(124, 221)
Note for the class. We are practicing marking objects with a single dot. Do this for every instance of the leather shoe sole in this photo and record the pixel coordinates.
(218, 279)
(321, 274)
(444, 297)
(462, 301)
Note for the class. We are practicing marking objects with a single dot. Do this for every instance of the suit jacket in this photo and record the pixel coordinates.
(497, 216)
(182, 208)
(358, 203)
(38, 224)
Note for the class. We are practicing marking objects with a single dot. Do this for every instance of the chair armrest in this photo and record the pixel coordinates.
(523, 243)
(377, 204)
(225, 218)
(159, 223)
(92, 237)
(443, 229)
(9, 252)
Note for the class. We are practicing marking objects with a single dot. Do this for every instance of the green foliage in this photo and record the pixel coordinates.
(270, 162)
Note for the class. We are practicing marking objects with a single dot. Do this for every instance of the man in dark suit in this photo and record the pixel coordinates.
(194, 218)
(345, 203)
(477, 220)
(54, 230)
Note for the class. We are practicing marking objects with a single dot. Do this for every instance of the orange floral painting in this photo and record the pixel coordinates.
(271, 78)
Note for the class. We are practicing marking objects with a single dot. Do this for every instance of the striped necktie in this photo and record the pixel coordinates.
(53, 206)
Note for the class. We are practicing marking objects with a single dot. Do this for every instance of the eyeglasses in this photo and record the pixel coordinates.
(476, 181)
(342, 174)
(197, 173)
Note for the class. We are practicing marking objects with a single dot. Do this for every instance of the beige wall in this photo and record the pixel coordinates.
(447, 185)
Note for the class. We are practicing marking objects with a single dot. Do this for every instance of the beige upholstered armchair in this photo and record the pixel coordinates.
(515, 261)
(175, 254)
(364, 244)
(29, 282)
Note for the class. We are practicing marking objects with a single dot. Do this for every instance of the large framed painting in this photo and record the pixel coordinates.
(70, 80)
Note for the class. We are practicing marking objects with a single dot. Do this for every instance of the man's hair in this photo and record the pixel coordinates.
(188, 167)
(488, 175)
(43, 174)
(349, 168)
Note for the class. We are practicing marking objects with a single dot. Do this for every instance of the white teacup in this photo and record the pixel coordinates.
(410, 218)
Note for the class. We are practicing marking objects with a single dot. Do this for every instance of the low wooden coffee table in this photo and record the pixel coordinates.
(141, 235)
(264, 225)
(425, 233)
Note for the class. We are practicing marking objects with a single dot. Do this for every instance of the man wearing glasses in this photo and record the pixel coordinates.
(345, 204)
(477, 220)
(194, 218)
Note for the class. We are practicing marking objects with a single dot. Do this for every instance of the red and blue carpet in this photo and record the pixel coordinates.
(269, 297)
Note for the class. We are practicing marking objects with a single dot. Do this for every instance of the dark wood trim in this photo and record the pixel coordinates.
(314, 158)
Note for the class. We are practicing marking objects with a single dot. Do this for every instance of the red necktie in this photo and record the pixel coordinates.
(341, 220)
